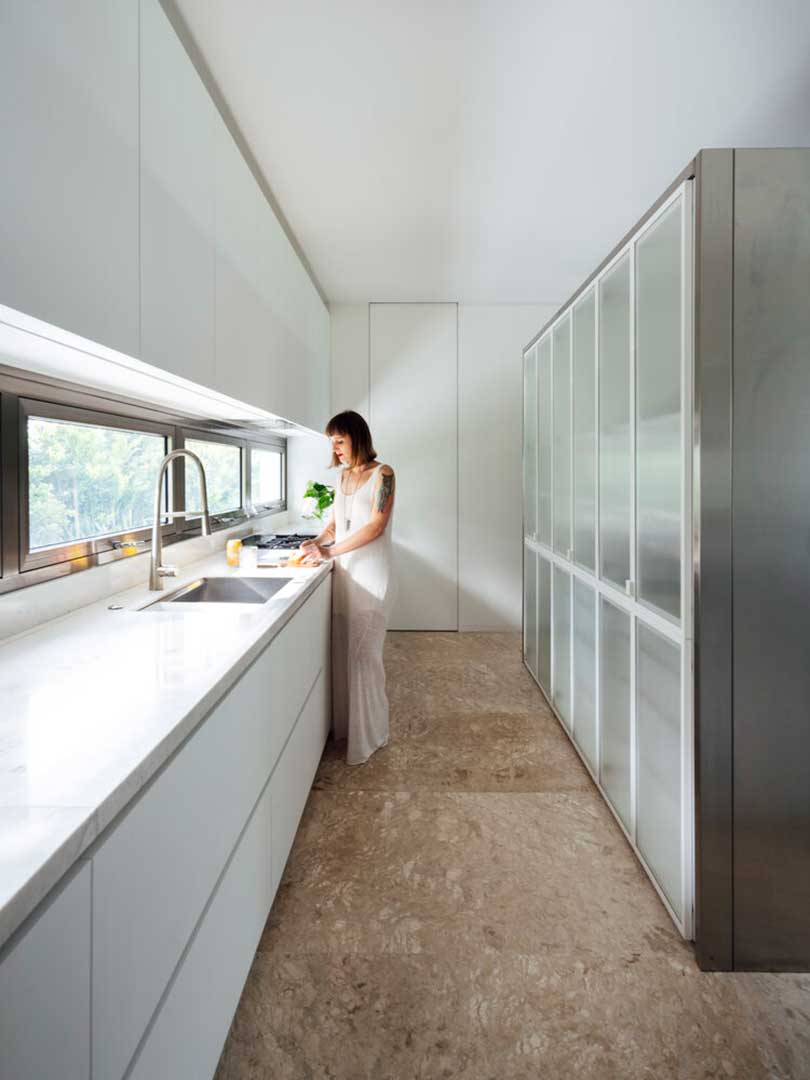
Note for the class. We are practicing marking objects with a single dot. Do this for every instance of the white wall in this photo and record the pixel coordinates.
(491, 340)
(490, 400)
(307, 459)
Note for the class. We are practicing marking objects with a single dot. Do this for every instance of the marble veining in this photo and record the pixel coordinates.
(465, 906)
(95, 702)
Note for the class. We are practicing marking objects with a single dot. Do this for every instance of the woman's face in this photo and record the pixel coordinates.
(342, 446)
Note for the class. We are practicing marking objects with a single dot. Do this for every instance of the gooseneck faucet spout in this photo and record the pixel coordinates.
(157, 571)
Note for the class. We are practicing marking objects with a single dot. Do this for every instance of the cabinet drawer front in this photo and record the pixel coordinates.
(296, 656)
(45, 991)
(154, 872)
(192, 1025)
(295, 772)
(188, 1034)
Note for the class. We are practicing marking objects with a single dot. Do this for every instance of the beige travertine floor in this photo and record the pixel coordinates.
(465, 906)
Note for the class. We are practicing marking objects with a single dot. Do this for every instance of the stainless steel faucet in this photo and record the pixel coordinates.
(156, 570)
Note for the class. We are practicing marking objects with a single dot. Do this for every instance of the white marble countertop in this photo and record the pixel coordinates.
(93, 703)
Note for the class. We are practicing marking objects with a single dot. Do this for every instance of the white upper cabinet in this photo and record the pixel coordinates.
(272, 328)
(242, 349)
(130, 217)
(178, 130)
(69, 182)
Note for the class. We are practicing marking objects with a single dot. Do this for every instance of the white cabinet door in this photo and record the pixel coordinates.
(69, 184)
(178, 131)
(530, 562)
(154, 871)
(242, 346)
(188, 1034)
(272, 328)
(414, 402)
(45, 990)
(293, 776)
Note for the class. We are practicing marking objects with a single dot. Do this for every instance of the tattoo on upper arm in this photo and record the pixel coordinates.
(386, 489)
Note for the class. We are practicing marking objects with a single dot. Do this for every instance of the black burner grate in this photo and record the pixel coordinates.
(277, 541)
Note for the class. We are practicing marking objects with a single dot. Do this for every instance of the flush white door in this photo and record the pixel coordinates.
(413, 405)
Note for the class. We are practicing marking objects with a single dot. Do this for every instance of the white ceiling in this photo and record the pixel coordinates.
(492, 151)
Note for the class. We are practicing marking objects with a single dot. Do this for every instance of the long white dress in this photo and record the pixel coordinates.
(361, 602)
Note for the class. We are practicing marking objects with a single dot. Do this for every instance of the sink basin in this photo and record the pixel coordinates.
(226, 590)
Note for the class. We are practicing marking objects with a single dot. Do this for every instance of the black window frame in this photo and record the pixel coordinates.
(279, 446)
(82, 548)
(225, 519)
(23, 394)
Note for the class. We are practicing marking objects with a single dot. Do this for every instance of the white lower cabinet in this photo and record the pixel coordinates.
(187, 1036)
(134, 965)
(294, 773)
(188, 1033)
(45, 990)
(155, 870)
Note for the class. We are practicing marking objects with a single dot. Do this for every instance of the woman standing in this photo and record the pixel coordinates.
(358, 538)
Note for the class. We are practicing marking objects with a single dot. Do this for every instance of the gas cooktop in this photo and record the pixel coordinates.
(283, 541)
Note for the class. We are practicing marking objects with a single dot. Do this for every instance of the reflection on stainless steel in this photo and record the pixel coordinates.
(230, 591)
(156, 570)
(615, 463)
(225, 590)
(659, 293)
(584, 380)
(561, 360)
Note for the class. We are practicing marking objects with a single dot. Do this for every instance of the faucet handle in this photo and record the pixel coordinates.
(167, 571)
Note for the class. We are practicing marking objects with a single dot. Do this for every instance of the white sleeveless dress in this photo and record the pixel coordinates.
(361, 602)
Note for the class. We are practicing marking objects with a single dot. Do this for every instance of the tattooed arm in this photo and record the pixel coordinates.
(310, 547)
(383, 504)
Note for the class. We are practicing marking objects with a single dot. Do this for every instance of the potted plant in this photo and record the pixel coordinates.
(318, 498)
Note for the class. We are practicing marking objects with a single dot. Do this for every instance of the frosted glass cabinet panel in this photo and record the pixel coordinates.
(585, 670)
(584, 381)
(659, 346)
(544, 623)
(561, 356)
(615, 697)
(544, 441)
(615, 460)
(530, 444)
(658, 725)
(562, 644)
(530, 608)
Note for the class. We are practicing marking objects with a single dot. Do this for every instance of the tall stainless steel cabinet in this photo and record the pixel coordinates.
(667, 551)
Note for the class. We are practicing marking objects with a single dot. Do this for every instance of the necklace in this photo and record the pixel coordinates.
(347, 512)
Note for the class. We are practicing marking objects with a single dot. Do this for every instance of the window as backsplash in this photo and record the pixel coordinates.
(78, 469)
(223, 476)
(86, 480)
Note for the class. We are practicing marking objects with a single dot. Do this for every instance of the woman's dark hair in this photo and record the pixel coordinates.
(352, 424)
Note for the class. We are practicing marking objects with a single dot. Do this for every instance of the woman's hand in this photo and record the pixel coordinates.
(314, 554)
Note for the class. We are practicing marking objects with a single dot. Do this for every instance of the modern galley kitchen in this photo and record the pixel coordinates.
(434, 375)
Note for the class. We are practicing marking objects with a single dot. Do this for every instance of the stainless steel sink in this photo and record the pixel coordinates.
(226, 590)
